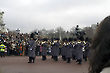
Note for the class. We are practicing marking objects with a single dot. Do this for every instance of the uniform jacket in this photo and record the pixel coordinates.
(63, 50)
(31, 49)
(78, 48)
(55, 49)
(69, 51)
(86, 52)
(44, 49)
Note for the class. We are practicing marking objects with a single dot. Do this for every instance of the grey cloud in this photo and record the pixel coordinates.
(45, 13)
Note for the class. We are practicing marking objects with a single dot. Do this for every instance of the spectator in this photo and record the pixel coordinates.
(100, 52)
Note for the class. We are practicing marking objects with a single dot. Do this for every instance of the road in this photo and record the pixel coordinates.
(18, 64)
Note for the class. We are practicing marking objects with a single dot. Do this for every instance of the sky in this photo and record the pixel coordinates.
(28, 15)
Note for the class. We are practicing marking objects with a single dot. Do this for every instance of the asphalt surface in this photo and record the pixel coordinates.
(18, 64)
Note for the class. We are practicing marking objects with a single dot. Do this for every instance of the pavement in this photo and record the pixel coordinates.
(18, 64)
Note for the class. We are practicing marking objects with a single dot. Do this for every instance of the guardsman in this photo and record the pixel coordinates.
(2, 50)
(52, 51)
(31, 49)
(86, 50)
(63, 51)
(44, 51)
(79, 53)
(55, 50)
(69, 48)
(73, 51)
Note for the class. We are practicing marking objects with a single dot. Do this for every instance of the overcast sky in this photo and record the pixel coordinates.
(49, 14)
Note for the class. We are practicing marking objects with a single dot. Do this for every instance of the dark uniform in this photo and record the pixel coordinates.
(74, 52)
(69, 52)
(44, 51)
(31, 51)
(86, 51)
(63, 52)
(55, 51)
(79, 52)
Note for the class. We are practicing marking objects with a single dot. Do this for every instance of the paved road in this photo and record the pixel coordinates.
(18, 64)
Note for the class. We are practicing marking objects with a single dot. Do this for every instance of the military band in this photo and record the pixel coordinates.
(69, 50)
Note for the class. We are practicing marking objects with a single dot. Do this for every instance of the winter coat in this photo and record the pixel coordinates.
(31, 48)
(63, 50)
(44, 49)
(86, 50)
(69, 51)
(55, 49)
(79, 53)
(73, 51)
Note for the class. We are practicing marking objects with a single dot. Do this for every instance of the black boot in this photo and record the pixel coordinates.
(85, 59)
(79, 61)
(33, 59)
(55, 58)
(43, 58)
(68, 60)
(30, 60)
